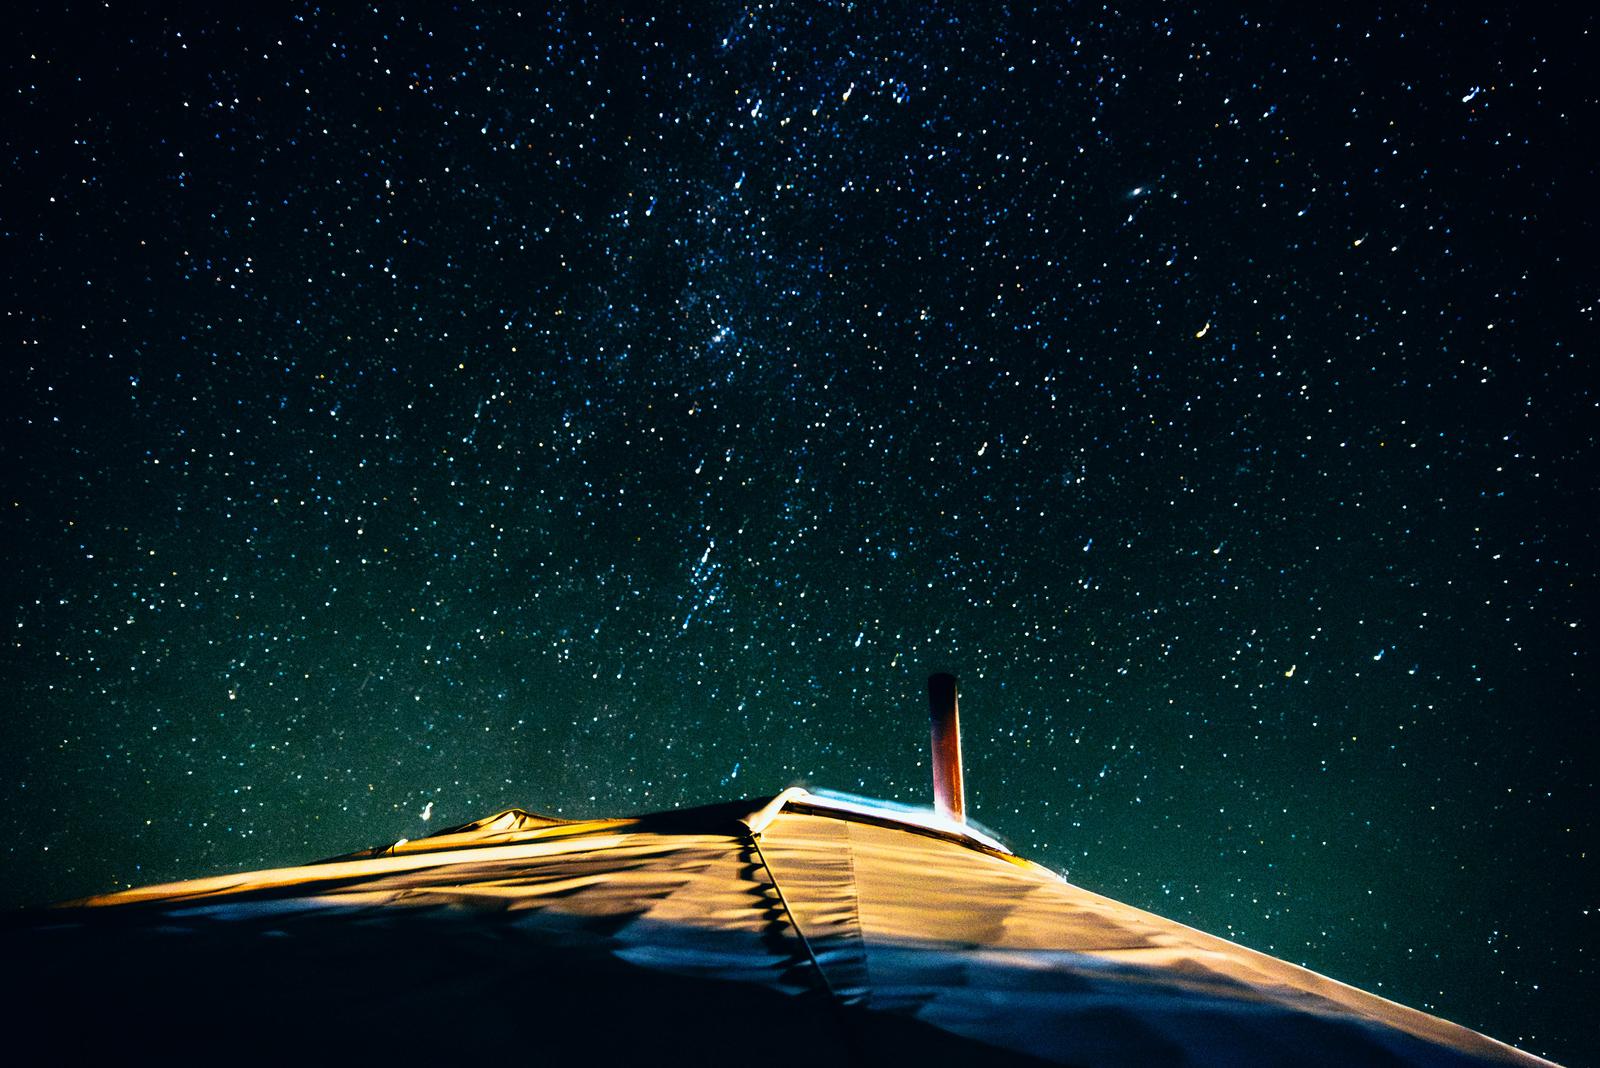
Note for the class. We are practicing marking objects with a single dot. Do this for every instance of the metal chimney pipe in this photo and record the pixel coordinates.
(944, 718)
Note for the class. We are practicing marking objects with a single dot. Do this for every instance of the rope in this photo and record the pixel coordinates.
(755, 840)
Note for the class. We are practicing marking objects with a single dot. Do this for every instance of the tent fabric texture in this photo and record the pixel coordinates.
(795, 929)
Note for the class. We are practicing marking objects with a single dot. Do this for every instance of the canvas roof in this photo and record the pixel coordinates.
(838, 927)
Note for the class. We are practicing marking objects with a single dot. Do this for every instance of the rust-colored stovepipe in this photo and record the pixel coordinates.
(945, 720)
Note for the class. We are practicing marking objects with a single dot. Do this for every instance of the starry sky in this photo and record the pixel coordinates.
(600, 410)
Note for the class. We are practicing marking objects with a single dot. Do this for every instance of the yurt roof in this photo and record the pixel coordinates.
(773, 930)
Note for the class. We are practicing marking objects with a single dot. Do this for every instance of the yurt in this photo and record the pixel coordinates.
(801, 928)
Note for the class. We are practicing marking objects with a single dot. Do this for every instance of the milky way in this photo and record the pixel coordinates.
(414, 414)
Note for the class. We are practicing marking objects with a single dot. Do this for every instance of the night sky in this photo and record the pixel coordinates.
(603, 412)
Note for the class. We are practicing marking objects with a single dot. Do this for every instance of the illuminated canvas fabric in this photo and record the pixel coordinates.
(843, 930)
